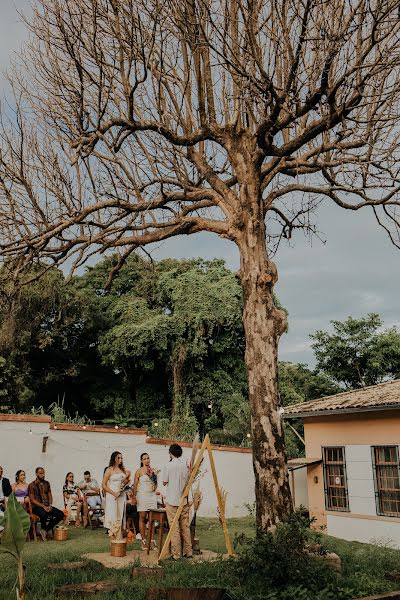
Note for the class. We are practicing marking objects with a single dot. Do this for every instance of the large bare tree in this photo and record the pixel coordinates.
(138, 120)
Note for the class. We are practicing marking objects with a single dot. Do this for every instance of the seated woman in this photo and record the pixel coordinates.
(20, 488)
(144, 493)
(73, 499)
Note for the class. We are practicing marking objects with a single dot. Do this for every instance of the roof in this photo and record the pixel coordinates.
(384, 396)
(299, 463)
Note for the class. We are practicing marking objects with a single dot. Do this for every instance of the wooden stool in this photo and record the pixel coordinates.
(159, 515)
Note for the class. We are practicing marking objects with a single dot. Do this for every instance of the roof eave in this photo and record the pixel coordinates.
(340, 411)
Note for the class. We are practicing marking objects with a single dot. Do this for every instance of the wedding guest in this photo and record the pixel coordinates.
(39, 492)
(90, 490)
(5, 490)
(175, 475)
(74, 500)
(144, 493)
(20, 487)
(116, 477)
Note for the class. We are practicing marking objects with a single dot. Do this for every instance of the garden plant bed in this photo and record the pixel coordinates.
(363, 568)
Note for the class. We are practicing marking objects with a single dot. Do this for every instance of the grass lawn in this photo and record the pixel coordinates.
(363, 565)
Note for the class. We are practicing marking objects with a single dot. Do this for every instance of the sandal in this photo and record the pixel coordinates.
(77, 523)
(144, 545)
(153, 545)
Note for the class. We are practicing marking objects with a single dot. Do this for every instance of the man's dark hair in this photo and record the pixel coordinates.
(38, 469)
(87, 473)
(175, 450)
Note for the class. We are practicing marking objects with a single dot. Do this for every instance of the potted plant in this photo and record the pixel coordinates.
(118, 544)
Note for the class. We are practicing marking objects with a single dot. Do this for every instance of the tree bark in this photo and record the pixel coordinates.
(179, 401)
(264, 323)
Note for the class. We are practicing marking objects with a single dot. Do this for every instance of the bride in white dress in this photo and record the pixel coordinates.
(115, 478)
(144, 493)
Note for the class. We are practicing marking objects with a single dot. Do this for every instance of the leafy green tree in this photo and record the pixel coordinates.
(297, 384)
(358, 352)
(36, 336)
(187, 318)
(48, 343)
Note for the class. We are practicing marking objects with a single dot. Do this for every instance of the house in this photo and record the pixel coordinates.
(352, 445)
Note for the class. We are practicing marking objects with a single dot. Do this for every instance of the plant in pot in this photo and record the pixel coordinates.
(118, 544)
(61, 530)
(16, 524)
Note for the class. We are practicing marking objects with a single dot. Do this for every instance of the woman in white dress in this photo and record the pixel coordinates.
(144, 493)
(116, 477)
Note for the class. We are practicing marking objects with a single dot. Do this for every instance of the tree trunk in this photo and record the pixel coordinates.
(179, 400)
(263, 325)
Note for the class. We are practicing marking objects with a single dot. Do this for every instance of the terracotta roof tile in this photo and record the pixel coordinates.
(383, 396)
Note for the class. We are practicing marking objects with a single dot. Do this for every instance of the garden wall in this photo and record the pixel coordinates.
(27, 442)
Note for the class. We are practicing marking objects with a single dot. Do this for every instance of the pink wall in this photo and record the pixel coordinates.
(370, 428)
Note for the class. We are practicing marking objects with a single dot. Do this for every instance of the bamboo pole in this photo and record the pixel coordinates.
(219, 499)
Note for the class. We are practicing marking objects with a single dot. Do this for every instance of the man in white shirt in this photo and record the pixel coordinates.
(91, 490)
(175, 476)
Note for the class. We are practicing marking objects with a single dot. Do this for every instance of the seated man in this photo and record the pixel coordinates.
(39, 492)
(5, 490)
(91, 491)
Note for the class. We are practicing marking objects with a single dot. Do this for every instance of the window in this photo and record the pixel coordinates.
(387, 480)
(336, 495)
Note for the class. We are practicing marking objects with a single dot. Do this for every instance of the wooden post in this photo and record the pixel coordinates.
(219, 499)
(293, 488)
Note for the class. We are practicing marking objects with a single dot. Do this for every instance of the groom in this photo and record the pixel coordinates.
(175, 476)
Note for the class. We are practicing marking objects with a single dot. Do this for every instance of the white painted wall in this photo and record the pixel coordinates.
(364, 530)
(76, 451)
(80, 450)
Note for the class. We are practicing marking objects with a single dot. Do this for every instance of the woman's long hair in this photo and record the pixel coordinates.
(113, 461)
(17, 474)
(141, 457)
(66, 477)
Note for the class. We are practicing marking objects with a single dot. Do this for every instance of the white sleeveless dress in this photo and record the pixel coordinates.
(145, 495)
(115, 507)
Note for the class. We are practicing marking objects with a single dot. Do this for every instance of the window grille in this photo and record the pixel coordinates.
(336, 492)
(387, 480)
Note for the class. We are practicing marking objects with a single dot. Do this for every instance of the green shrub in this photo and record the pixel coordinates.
(278, 562)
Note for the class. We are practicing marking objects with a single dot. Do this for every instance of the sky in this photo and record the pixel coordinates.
(354, 273)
